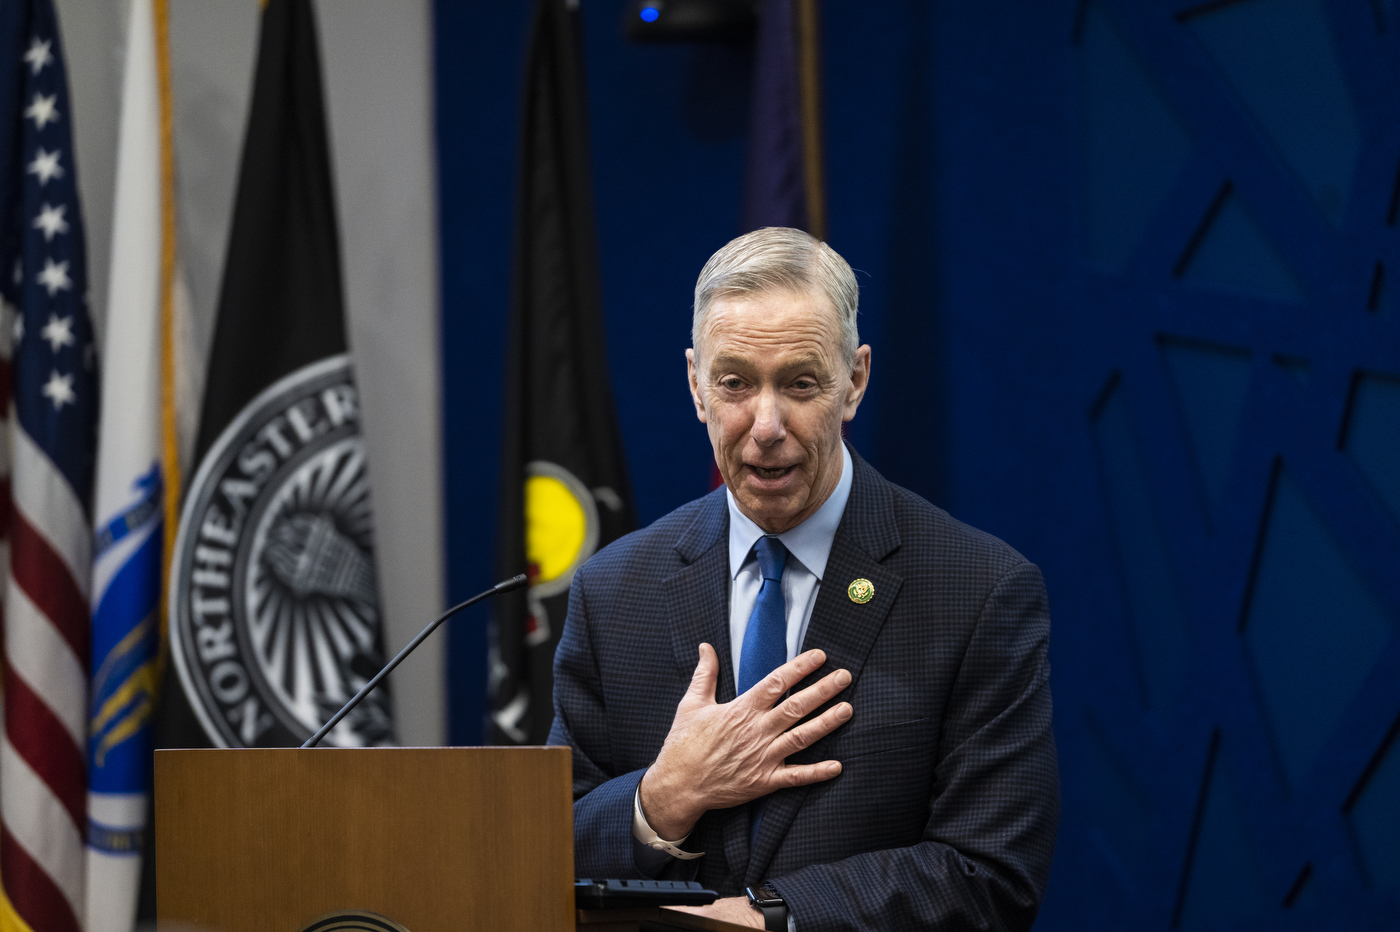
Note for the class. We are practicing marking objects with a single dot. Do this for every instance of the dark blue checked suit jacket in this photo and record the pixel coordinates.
(944, 814)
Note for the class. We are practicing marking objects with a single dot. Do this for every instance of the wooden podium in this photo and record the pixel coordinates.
(433, 839)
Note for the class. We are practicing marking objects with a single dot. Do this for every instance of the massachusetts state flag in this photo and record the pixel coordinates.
(137, 478)
(43, 784)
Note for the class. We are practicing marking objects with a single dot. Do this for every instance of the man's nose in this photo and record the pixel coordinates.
(768, 426)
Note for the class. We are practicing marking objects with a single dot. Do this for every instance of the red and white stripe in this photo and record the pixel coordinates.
(43, 778)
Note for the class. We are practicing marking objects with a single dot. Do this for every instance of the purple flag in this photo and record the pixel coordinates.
(776, 188)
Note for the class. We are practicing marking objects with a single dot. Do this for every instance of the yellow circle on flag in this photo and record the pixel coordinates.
(555, 527)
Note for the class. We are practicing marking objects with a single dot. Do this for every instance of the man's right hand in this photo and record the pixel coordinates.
(719, 755)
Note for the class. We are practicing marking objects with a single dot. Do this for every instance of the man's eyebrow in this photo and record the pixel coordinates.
(811, 360)
(727, 361)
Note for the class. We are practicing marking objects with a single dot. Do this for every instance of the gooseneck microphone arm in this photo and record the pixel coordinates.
(513, 583)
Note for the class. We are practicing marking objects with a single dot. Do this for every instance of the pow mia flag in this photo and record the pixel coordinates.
(564, 490)
(274, 617)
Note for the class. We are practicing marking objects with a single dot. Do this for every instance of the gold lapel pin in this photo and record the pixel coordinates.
(861, 591)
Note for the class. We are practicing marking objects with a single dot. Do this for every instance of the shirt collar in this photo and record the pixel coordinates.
(810, 542)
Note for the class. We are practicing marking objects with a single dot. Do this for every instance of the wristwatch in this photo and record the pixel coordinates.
(769, 902)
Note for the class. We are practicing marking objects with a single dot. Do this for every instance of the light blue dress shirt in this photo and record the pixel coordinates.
(809, 547)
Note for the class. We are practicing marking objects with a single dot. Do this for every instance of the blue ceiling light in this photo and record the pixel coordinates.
(728, 21)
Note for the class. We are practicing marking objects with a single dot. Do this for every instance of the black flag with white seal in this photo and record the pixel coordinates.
(274, 612)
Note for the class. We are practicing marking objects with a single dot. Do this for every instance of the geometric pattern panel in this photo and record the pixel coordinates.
(1373, 435)
(1134, 146)
(1314, 629)
(1236, 762)
(1211, 386)
(1153, 604)
(1229, 251)
(1279, 58)
(1297, 369)
(1222, 884)
(1376, 821)
(1121, 813)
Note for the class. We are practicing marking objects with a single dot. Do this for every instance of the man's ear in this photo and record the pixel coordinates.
(859, 382)
(693, 373)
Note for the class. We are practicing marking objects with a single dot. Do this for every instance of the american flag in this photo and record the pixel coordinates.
(53, 410)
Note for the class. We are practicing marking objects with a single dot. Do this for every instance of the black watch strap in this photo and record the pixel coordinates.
(774, 917)
(767, 901)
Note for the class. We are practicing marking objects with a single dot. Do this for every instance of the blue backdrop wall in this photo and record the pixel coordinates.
(1127, 269)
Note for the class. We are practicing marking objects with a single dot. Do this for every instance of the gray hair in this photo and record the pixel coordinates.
(780, 259)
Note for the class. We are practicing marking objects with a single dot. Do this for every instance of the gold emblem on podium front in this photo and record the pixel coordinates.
(353, 920)
(861, 591)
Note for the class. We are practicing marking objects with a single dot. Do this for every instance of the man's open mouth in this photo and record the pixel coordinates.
(776, 472)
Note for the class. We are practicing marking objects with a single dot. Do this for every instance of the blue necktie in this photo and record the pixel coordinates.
(765, 639)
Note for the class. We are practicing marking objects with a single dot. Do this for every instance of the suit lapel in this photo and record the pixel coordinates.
(843, 628)
(697, 597)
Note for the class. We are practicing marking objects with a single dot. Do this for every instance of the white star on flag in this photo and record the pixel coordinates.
(54, 276)
(43, 111)
(39, 55)
(59, 389)
(19, 327)
(46, 166)
(58, 332)
(51, 221)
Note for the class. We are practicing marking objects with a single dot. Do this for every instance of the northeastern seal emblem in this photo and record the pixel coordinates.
(274, 610)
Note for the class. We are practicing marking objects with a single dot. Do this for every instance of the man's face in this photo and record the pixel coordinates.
(770, 385)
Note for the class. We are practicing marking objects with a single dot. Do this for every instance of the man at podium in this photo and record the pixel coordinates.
(810, 690)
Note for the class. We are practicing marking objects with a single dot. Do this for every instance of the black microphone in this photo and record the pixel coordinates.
(514, 582)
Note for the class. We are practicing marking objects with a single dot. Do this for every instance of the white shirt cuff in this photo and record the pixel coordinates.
(645, 834)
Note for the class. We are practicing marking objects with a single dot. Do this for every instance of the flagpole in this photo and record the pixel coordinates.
(809, 84)
(170, 446)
